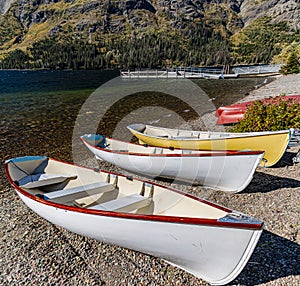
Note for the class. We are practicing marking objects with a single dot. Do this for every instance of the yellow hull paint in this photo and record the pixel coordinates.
(273, 144)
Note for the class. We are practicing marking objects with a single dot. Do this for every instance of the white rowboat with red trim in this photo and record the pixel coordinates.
(205, 239)
(229, 171)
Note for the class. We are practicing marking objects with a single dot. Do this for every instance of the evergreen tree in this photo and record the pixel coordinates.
(292, 65)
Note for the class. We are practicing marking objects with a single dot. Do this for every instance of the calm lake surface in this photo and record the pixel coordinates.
(39, 109)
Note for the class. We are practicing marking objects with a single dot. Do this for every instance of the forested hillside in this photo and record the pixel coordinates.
(83, 34)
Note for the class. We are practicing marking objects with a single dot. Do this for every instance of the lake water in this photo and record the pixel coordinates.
(40, 109)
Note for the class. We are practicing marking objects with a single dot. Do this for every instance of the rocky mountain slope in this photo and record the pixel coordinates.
(5, 5)
(278, 10)
(25, 22)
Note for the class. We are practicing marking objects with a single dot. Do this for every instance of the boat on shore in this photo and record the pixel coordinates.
(235, 112)
(273, 143)
(208, 240)
(213, 169)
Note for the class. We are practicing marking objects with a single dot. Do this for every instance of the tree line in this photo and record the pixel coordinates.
(151, 50)
(197, 46)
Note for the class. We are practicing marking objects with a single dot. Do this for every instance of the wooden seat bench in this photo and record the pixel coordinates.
(125, 204)
(75, 193)
(41, 179)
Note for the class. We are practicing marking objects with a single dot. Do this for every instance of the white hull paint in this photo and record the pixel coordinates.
(226, 172)
(215, 254)
(210, 241)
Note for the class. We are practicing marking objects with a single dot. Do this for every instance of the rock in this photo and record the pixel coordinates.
(18, 39)
(79, 27)
(55, 31)
(90, 6)
(5, 5)
(41, 16)
(279, 10)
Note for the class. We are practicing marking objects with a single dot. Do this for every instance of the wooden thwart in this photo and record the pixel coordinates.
(41, 180)
(124, 204)
(78, 192)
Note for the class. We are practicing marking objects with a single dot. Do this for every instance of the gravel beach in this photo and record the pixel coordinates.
(35, 252)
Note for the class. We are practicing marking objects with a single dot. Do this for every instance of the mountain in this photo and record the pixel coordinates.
(144, 33)
(5, 5)
(278, 10)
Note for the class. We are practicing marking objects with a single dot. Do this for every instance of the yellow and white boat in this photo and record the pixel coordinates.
(274, 143)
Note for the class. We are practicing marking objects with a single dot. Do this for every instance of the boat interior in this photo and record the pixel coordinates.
(76, 186)
(188, 134)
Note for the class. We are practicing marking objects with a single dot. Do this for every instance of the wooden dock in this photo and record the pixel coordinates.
(178, 73)
(200, 72)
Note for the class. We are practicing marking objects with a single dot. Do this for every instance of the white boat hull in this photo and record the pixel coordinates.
(230, 173)
(208, 240)
(216, 254)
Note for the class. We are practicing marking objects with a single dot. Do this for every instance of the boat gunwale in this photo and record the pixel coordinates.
(193, 139)
(206, 154)
(154, 218)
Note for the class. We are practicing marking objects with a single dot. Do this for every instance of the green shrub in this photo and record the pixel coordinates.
(292, 65)
(275, 114)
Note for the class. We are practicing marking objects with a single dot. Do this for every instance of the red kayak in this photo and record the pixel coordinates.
(235, 112)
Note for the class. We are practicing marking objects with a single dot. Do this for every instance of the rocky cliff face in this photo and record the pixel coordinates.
(26, 21)
(279, 10)
(5, 5)
(115, 16)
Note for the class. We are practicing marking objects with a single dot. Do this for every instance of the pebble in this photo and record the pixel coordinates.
(36, 252)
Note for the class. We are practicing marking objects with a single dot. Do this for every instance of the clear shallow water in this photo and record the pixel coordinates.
(35, 90)
(38, 109)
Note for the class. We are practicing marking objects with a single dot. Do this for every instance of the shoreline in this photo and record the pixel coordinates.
(283, 84)
(35, 252)
(271, 198)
